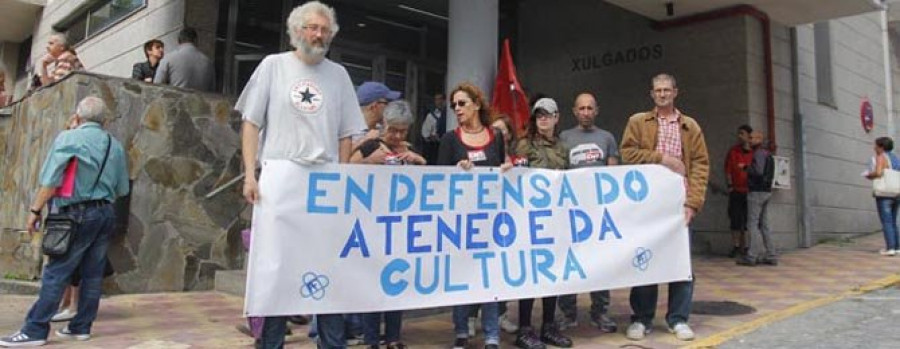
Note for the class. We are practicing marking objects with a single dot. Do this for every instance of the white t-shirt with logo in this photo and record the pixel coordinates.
(302, 110)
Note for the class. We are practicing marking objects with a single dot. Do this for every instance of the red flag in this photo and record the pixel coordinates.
(509, 98)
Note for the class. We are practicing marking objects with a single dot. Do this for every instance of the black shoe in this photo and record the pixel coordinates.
(491, 346)
(299, 319)
(461, 343)
(735, 251)
(605, 324)
(770, 261)
(528, 340)
(551, 335)
(374, 346)
(746, 261)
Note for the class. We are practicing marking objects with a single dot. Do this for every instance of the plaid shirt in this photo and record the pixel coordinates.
(668, 140)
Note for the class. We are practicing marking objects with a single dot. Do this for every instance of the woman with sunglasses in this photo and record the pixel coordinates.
(542, 149)
(473, 143)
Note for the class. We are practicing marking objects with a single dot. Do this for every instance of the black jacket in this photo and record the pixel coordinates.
(761, 171)
(143, 70)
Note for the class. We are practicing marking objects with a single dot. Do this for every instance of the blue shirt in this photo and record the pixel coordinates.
(88, 144)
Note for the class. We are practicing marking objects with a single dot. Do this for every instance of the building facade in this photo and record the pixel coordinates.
(799, 71)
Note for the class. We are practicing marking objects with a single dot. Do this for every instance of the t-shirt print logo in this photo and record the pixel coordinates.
(585, 153)
(306, 96)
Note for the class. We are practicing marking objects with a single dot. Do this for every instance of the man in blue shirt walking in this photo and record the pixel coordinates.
(101, 177)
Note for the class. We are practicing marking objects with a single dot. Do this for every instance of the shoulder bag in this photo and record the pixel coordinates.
(888, 185)
(59, 227)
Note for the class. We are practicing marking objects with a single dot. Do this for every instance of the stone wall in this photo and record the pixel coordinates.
(182, 145)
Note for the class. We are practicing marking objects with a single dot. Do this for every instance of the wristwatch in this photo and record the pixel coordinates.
(36, 212)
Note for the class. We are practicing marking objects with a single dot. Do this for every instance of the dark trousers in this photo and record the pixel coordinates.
(330, 327)
(393, 320)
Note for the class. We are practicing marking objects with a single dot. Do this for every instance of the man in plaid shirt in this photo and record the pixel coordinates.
(667, 137)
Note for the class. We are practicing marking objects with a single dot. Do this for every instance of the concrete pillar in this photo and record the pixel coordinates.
(472, 46)
(203, 16)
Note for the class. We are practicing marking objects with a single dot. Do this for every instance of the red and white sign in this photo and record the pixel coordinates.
(866, 116)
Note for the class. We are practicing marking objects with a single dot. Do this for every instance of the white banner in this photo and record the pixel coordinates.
(354, 238)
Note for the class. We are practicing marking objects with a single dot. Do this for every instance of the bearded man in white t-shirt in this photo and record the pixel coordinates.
(302, 107)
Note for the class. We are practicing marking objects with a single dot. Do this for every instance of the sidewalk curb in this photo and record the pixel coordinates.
(718, 338)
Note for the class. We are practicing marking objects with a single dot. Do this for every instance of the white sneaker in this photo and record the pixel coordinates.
(888, 252)
(636, 331)
(65, 333)
(682, 331)
(472, 327)
(63, 315)
(508, 326)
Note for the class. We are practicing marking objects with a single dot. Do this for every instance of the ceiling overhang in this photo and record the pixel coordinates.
(17, 19)
(787, 12)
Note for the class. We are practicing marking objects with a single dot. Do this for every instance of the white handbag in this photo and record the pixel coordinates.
(888, 185)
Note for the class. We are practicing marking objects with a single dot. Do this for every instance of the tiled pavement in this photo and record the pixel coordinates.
(207, 319)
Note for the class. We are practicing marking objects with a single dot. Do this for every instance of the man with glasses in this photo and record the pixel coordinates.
(373, 97)
(306, 108)
(667, 137)
(588, 146)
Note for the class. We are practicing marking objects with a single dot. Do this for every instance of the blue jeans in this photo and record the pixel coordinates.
(393, 320)
(643, 303)
(331, 331)
(887, 211)
(353, 325)
(87, 251)
(490, 321)
(329, 328)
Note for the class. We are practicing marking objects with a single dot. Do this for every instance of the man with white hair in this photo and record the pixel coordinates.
(59, 61)
(307, 110)
(101, 177)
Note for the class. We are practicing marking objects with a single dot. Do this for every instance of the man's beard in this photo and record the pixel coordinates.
(312, 51)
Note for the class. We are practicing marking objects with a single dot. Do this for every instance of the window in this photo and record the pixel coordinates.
(824, 78)
(96, 16)
(22, 61)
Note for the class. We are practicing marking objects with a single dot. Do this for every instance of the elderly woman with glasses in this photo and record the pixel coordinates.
(473, 143)
(389, 149)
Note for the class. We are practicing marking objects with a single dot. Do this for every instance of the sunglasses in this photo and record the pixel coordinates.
(458, 104)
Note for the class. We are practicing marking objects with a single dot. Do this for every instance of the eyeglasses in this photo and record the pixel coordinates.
(317, 29)
(458, 104)
(544, 116)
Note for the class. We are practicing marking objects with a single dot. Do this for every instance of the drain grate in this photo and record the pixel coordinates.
(721, 308)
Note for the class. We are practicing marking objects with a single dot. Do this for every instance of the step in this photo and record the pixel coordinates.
(8, 286)
(231, 281)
